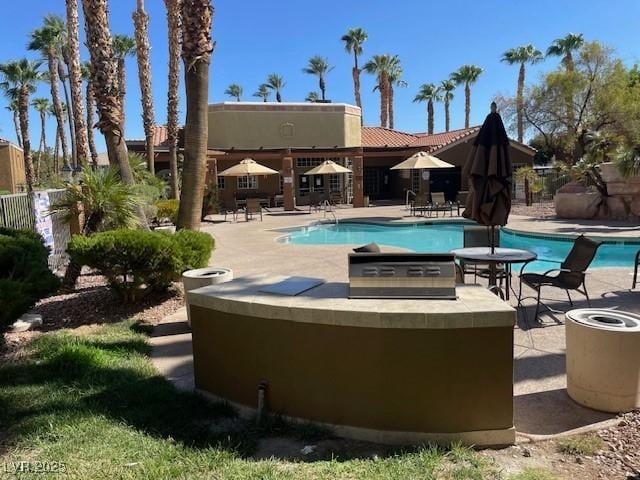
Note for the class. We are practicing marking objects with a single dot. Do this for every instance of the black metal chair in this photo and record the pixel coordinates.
(474, 236)
(635, 270)
(419, 204)
(229, 208)
(570, 276)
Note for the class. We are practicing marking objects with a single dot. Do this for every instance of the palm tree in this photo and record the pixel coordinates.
(263, 92)
(23, 75)
(466, 74)
(75, 79)
(531, 181)
(447, 87)
(380, 65)
(564, 47)
(15, 110)
(234, 91)
(174, 22)
(41, 105)
(91, 109)
(521, 56)
(141, 23)
(123, 46)
(312, 97)
(104, 73)
(56, 150)
(47, 40)
(353, 40)
(429, 93)
(395, 80)
(319, 66)
(197, 47)
(276, 83)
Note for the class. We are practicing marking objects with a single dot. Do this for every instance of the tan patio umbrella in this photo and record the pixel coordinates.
(328, 167)
(247, 167)
(422, 161)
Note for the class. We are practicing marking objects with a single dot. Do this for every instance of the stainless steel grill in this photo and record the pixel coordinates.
(402, 275)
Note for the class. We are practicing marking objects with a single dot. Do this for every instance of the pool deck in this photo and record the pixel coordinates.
(542, 406)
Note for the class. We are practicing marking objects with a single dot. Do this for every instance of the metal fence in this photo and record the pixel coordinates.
(16, 211)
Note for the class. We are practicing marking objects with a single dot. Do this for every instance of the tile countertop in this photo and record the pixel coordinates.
(329, 304)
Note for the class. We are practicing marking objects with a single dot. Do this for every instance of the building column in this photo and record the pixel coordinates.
(358, 181)
(288, 191)
(213, 171)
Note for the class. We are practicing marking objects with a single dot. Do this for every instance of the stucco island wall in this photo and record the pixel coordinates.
(390, 371)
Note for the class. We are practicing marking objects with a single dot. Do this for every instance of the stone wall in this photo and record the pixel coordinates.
(623, 203)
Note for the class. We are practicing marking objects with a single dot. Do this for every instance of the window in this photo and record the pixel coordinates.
(415, 180)
(308, 162)
(248, 183)
(280, 184)
(334, 183)
(220, 183)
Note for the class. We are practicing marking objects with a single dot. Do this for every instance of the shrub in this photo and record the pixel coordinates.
(24, 273)
(167, 210)
(137, 262)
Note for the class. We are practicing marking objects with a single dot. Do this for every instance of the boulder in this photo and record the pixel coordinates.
(610, 173)
(582, 205)
(618, 209)
(572, 187)
(635, 206)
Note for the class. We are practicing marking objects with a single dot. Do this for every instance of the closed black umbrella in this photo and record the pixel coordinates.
(489, 171)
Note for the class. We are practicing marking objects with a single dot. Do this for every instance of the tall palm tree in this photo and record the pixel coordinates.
(319, 66)
(75, 79)
(15, 111)
(23, 75)
(429, 93)
(466, 75)
(174, 22)
(380, 65)
(564, 47)
(276, 83)
(234, 91)
(353, 40)
(521, 56)
(41, 105)
(56, 150)
(447, 87)
(123, 46)
(263, 92)
(197, 47)
(91, 109)
(395, 80)
(104, 72)
(46, 40)
(312, 97)
(141, 23)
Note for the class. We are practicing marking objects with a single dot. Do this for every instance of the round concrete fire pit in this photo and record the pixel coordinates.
(603, 359)
(201, 277)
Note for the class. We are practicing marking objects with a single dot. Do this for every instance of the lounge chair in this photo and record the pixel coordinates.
(254, 206)
(439, 204)
(635, 270)
(461, 199)
(419, 204)
(315, 201)
(570, 276)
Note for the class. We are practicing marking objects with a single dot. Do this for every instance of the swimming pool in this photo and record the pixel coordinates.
(441, 237)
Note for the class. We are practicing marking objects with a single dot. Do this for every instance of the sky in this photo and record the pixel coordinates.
(255, 38)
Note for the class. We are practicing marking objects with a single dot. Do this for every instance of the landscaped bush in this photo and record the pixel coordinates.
(24, 273)
(168, 210)
(137, 262)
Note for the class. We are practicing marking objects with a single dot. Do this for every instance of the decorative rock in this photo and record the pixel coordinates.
(617, 208)
(610, 173)
(635, 206)
(27, 322)
(577, 205)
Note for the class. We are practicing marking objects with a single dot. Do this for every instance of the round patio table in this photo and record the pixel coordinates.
(506, 256)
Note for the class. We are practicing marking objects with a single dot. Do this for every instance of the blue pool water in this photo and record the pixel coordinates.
(445, 237)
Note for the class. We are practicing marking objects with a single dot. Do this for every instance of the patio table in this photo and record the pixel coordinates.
(506, 256)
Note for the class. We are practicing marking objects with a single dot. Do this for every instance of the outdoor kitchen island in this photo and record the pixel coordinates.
(384, 370)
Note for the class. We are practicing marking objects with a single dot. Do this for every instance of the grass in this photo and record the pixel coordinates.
(533, 474)
(581, 445)
(95, 403)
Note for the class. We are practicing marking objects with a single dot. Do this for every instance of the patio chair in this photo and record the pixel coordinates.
(254, 205)
(419, 204)
(229, 208)
(635, 270)
(461, 199)
(570, 276)
(439, 204)
(475, 236)
(315, 201)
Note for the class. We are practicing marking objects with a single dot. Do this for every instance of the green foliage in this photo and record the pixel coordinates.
(628, 162)
(168, 210)
(24, 273)
(581, 445)
(137, 262)
(533, 474)
(148, 187)
(210, 200)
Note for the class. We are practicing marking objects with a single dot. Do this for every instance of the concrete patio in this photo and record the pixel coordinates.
(542, 406)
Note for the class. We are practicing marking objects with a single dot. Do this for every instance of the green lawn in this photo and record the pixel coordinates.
(95, 403)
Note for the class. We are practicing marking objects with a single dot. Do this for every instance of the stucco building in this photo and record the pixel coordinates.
(12, 174)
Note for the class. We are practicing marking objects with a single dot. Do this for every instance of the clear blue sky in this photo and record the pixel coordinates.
(255, 38)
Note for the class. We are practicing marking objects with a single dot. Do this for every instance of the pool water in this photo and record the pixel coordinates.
(445, 237)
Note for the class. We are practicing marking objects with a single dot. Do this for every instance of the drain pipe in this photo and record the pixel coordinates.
(262, 392)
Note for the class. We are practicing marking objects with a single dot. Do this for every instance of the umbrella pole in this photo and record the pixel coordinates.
(492, 240)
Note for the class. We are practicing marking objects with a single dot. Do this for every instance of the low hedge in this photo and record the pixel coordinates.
(137, 262)
(25, 277)
(168, 210)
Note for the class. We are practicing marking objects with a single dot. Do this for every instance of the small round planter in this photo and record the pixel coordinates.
(202, 277)
(166, 228)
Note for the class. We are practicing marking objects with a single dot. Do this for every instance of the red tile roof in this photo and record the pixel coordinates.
(385, 137)
(160, 136)
(439, 140)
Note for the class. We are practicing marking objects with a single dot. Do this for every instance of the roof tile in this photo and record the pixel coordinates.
(385, 137)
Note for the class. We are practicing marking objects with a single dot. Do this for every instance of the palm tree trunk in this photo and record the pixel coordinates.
(108, 100)
(467, 104)
(520, 103)
(16, 125)
(57, 104)
(322, 87)
(122, 87)
(23, 103)
(356, 90)
(141, 22)
(75, 79)
(43, 141)
(384, 101)
(174, 22)
(278, 96)
(72, 133)
(56, 155)
(196, 51)
(91, 105)
(446, 114)
(430, 117)
(390, 98)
